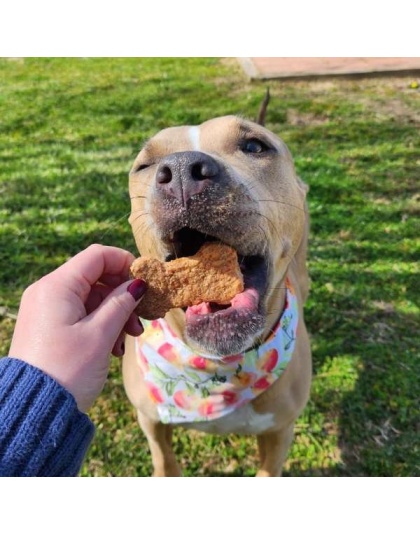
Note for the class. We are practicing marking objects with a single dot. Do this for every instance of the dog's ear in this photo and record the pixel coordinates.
(263, 108)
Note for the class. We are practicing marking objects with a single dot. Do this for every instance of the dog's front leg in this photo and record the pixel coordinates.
(159, 437)
(273, 447)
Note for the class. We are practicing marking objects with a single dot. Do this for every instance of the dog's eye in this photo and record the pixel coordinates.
(142, 167)
(254, 146)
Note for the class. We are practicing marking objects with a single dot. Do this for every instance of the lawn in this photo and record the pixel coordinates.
(69, 131)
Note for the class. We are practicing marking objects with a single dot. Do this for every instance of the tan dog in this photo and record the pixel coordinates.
(233, 181)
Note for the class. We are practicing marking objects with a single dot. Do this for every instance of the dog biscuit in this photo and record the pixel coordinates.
(211, 275)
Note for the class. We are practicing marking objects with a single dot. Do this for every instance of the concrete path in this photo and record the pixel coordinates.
(265, 68)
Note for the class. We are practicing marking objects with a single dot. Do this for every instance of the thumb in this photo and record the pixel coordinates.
(111, 316)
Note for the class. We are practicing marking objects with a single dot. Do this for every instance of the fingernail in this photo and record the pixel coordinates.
(137, 288)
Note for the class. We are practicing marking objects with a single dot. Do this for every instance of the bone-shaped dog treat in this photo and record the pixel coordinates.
(211, 275)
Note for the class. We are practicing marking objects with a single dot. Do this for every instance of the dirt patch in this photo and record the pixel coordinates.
(295, 118)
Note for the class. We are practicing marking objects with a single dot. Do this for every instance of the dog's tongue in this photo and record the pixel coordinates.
(247, 300)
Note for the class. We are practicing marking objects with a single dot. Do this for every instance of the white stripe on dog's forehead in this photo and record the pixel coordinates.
(194, 136)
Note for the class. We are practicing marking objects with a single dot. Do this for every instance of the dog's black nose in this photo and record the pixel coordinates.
(184, 174)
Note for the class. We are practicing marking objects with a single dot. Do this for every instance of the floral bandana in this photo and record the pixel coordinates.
(190, 386)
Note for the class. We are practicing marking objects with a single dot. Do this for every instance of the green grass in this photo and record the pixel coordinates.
(69, 130)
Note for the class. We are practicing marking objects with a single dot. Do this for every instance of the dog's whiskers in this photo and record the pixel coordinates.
(283, 202)
(254, 184)
(141, 230)
(263, 230)
(113, 225)
(142, 214)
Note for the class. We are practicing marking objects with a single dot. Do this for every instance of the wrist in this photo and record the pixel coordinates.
(44, 432)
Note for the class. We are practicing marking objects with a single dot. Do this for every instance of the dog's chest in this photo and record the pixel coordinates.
(214, 395)
(244, 420)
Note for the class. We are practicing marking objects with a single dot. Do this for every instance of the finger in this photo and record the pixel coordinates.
(96, 296)
(114, 312)
(119, 346)
(113, 280)
(92, 264)
(133, 327)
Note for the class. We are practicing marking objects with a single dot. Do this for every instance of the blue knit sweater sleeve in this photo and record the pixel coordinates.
(42, 432)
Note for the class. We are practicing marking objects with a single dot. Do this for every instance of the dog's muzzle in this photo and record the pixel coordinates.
(195, 198)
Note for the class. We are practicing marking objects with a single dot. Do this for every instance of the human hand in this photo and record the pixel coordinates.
(70, 320)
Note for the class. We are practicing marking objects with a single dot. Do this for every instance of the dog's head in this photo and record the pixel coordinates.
(228, 180)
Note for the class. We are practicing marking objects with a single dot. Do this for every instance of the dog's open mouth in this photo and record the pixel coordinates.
(230, 328)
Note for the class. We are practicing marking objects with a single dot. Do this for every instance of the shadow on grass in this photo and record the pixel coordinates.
(375, 410)
(379, 418)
